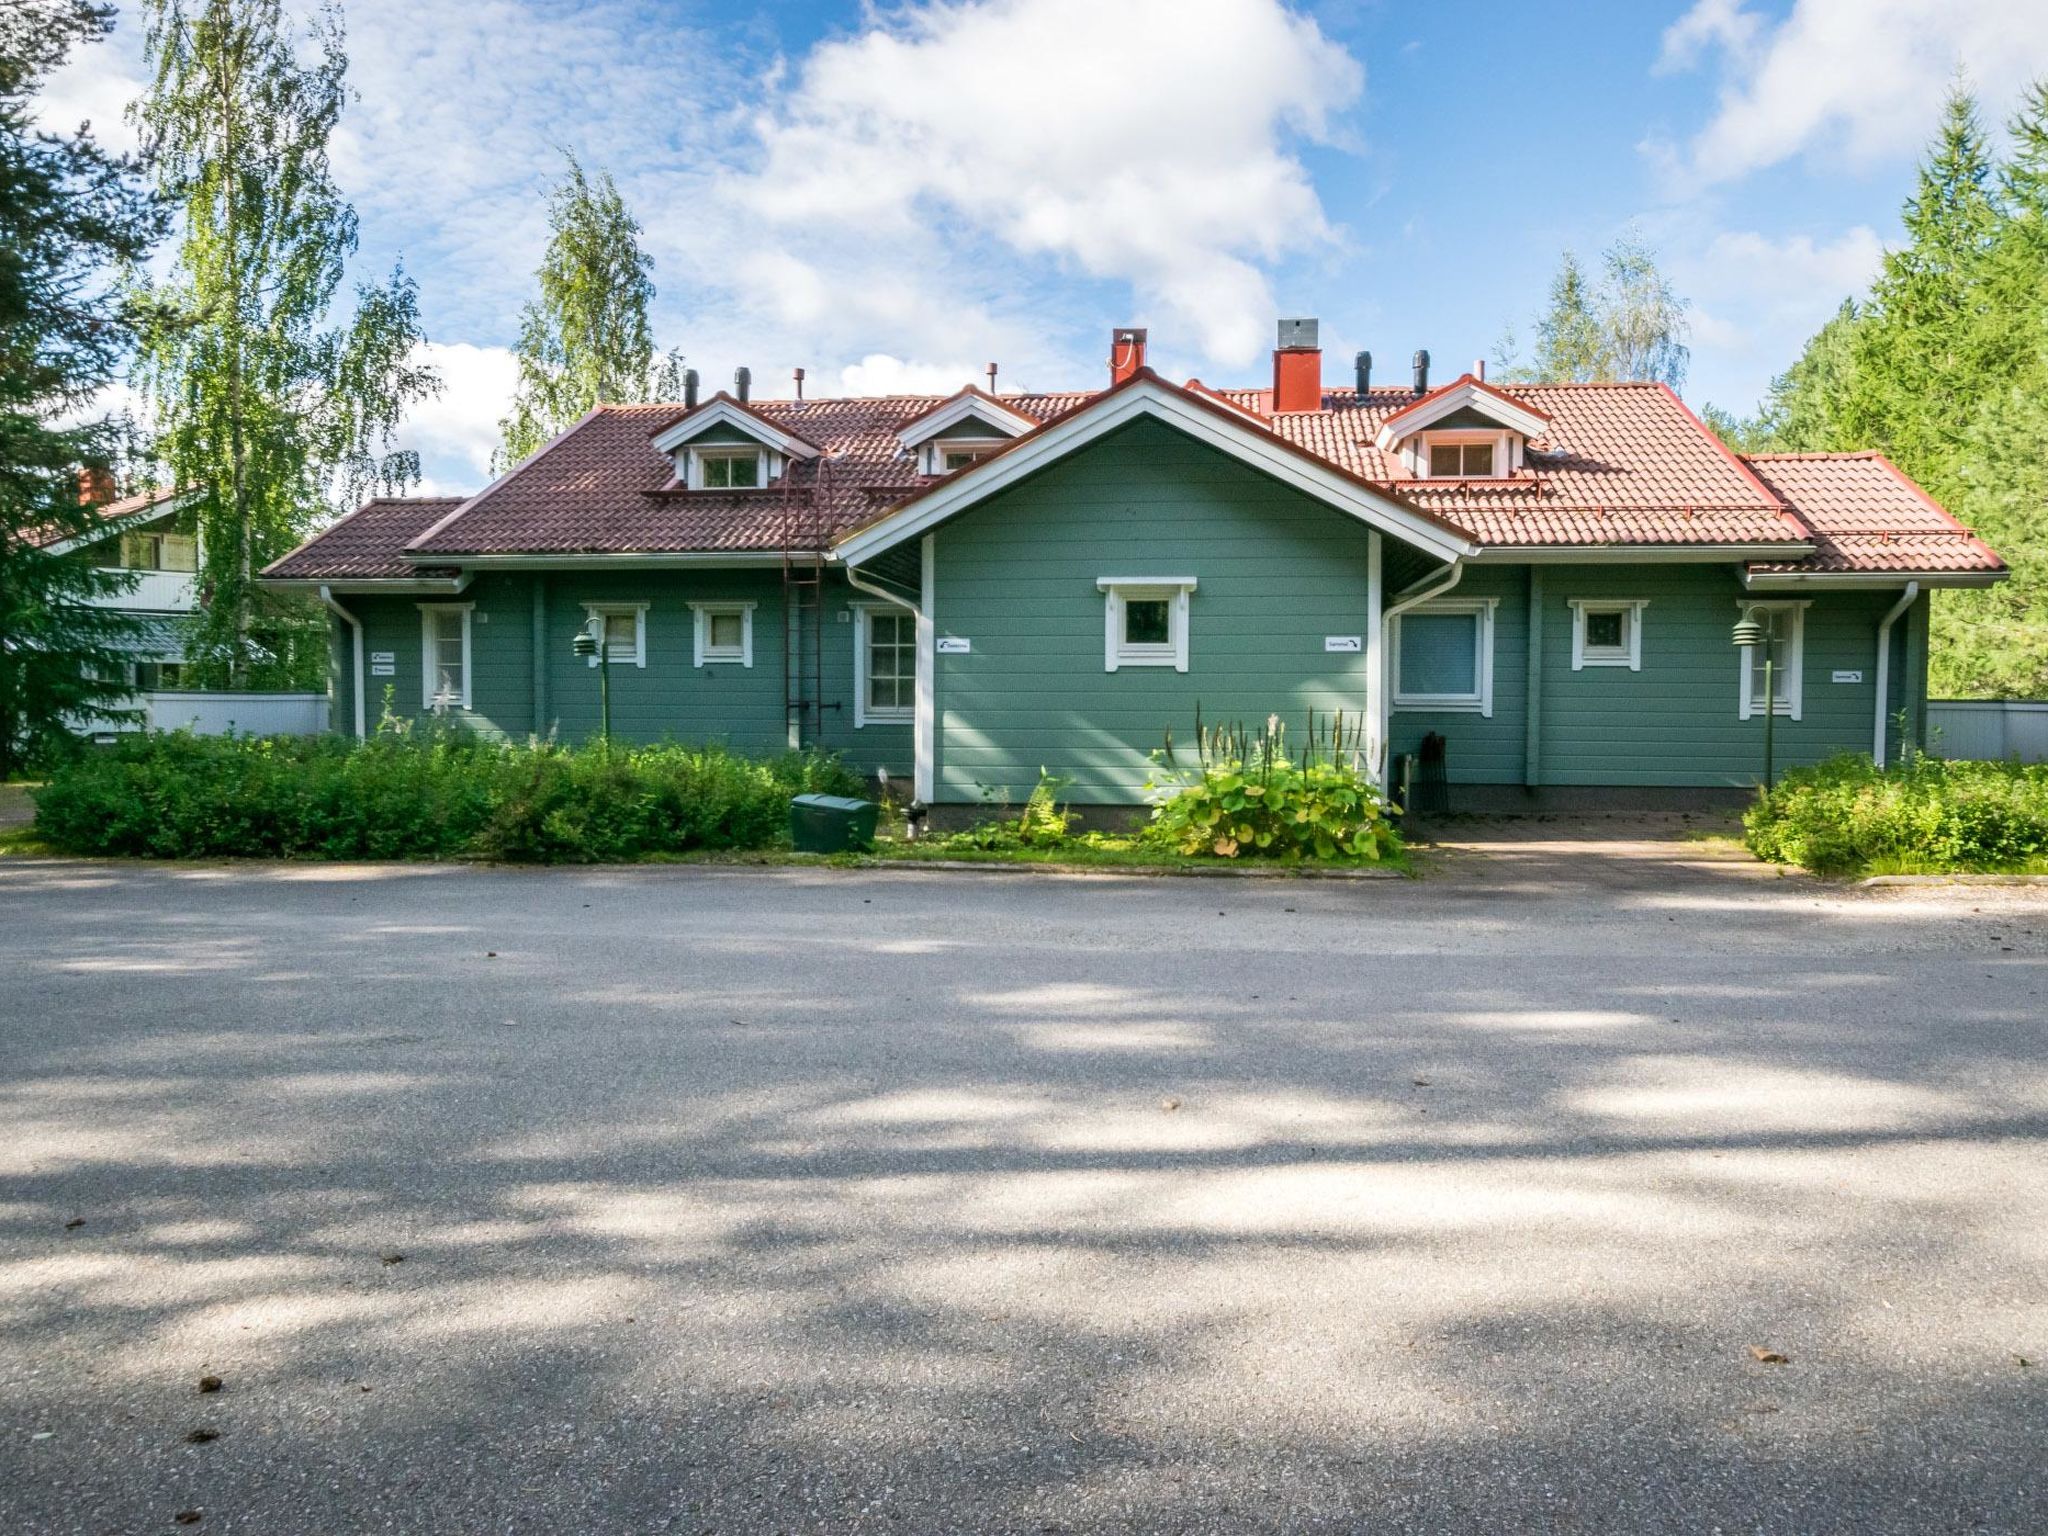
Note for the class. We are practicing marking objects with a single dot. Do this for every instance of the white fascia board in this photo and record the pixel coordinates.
(1635, 554)
(428, 585)
(1256, 448)
(1449, 403)
(1003, 421)
(1889, 581)
(729, 413)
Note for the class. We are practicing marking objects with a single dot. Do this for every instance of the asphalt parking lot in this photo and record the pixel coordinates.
(902, 1201)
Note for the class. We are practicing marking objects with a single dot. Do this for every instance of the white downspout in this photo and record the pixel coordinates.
(356, 625)
(1884, 665)
(921, 723)
(1455, 574)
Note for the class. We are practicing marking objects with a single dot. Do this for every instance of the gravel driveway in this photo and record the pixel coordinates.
(909, 1201)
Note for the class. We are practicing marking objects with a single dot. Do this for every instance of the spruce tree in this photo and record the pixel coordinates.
(1630, 325)
(71, 215)
(587, 338)
(271, 410)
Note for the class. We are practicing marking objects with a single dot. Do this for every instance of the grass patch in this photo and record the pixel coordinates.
(1922, 816)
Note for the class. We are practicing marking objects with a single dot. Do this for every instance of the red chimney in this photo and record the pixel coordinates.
(1298, 368)
(95, 485)
(1126, 353)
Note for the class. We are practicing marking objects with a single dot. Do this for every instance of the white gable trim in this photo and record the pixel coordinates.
(1466, 395)
(731, 413)
(1000, 419)
(1205, 424)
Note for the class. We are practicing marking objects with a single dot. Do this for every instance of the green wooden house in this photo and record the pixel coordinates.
(960, 591)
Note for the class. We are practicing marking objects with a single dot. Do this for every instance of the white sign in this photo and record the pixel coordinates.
(383, 658)
(1343, 643)
(953, 645)
(1848, 677)
(383, 669)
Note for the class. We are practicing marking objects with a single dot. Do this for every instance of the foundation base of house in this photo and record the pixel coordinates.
(1593, 799)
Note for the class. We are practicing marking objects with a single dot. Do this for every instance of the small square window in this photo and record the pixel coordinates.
(622, 627)
(1607, 634)
(725, 633)
(1147, 622)
(1443, 656)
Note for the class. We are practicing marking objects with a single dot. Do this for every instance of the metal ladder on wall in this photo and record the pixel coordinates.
(803, 605)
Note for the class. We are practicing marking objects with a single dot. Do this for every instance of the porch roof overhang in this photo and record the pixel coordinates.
(1146, 395)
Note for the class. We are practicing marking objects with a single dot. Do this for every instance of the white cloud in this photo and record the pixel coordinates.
(1858, 79)
(880, 374)
(459, 429)
(1756, 298)
(1144, 142)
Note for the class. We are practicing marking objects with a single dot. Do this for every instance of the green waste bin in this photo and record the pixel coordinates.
(831, 824)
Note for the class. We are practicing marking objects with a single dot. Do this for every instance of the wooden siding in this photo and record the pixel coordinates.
(1677, 721)
(1016, 577)
(741, 707)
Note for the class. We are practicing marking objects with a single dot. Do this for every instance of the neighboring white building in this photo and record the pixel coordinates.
(139, 534)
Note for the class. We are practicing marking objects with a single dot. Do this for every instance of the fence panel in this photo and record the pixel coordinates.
(1988, 729)
(246, 714)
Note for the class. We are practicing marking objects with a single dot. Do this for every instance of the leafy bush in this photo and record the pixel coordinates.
(425, 794)
(1924, 815)
(1043, 824)
(1247, 796)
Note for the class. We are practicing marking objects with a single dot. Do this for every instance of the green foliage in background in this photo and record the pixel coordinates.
(271, 412)
(1629, 323)
(1249, 796)
(1944, 367)
(425, 793)
(1923, 816)
(71, 216)
(587, 339)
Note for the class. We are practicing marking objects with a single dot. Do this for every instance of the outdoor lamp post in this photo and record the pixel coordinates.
(1748, 635)
(586, 645)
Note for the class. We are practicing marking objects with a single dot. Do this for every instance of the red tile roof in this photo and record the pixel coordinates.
(1617, 464)
(101, 516)
(368, 543)
(1867, 516)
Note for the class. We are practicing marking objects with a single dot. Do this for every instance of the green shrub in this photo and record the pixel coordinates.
(1248, 797)
(1924, 815)
(421, 794)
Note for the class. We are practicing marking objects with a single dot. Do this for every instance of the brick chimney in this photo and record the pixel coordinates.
(95, 485)
(1298, 368)
(1126, 352)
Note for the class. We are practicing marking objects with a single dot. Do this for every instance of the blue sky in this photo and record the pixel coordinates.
(892, 196)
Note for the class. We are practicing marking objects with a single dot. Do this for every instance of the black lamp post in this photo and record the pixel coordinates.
(1749, 634)
(586, 645)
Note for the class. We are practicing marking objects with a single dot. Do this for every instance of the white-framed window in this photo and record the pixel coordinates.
(621, 628)
(738, 468)
(725, 633)
(1607, 632)
(1482, 455)
(1785, 626)
(1145, 623)
(1443, 656)
(884, 664)
(159, 552)
(944, 455)
(444, 655)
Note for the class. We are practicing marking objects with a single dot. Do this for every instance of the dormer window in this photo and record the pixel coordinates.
(1462, 458)
(948, 455)
(728, 469)
(960, 431)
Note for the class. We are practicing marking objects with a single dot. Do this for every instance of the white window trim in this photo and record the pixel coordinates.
(1480, 702)
(1794, 664)
(1507, 451)
(937, 448)
(1116, 591)
(705, 655)
(863, 714)
(764, 461)
(427, 638)
(595, 612)
(1629, 654)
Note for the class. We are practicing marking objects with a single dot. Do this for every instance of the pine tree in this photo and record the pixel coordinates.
(587, 338)
(271, 414)
(70, 215)
(1569, 345)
